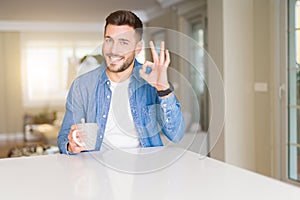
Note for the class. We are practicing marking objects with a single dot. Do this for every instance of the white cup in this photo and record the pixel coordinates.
(87, 132)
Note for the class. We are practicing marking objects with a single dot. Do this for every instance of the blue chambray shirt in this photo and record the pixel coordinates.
(89, 98)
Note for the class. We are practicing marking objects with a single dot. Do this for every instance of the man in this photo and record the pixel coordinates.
(131, 103)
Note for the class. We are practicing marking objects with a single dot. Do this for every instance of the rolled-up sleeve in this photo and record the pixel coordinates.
(74, 110)
(171, 118)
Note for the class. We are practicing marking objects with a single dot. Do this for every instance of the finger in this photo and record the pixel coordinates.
(71, 142)
(77, 149)
(162, 53)
(73, 147)
(147, 64)
(167, 62)
(73, 127)
(153, 52)
(143, 74)
(70, 135)
(147, 67)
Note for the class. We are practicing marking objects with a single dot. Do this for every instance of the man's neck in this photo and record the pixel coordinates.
(120, 76)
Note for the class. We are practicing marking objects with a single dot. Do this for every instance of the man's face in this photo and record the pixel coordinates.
(119, 47)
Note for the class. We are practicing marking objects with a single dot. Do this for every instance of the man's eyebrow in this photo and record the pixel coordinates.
(121, 39)
(124, 40)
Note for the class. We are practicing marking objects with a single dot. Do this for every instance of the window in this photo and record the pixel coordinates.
(294, 91)
(198, 80)
(193, 22)
(47, 61)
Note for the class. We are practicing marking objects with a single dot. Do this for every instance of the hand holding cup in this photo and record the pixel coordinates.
(82, 137)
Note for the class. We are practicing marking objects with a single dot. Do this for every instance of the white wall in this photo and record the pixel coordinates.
(239, 81)
(215, 50)
(236, 55)
(264, 113)
(11, 115)
(244, 41)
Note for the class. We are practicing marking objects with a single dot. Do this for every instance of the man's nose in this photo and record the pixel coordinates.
(114, 48)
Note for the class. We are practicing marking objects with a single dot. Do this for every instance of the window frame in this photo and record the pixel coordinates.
(291, 32)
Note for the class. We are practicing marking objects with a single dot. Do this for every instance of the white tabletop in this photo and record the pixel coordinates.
(153, 173)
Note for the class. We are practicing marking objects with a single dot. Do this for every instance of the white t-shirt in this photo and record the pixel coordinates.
(120, 131)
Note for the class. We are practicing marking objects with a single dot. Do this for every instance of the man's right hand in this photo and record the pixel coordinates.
(72, 146)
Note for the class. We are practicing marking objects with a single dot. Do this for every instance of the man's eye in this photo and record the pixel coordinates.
(124, 43)
(108, 40)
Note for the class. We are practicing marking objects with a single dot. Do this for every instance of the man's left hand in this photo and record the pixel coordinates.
(155, 73)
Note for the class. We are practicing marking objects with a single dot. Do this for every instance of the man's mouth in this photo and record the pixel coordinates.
(115, 59)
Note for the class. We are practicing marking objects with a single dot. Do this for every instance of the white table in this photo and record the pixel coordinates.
(86, 176)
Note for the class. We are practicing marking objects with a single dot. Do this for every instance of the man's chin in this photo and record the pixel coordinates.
(115, 68)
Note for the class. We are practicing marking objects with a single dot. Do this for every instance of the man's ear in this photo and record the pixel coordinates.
(139, 47)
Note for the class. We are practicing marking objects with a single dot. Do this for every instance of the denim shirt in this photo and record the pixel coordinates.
(89, 98)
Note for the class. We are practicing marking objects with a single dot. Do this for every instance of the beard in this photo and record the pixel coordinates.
(127, 63)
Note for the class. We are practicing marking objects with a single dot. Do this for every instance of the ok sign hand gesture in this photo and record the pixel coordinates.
(155, 73)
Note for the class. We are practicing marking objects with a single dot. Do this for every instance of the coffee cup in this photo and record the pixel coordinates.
(87, 134)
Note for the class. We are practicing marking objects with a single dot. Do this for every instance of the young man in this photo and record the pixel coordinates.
(130, 102)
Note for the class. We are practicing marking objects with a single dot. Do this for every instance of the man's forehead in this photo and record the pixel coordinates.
(119, 32)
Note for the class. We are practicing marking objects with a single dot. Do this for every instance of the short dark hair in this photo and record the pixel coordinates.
(125, 17)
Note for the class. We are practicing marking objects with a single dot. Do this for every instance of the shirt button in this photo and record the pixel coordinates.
(164, 105)
(107, 82)
(100, 136)
(108, 96)
(104, 116)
